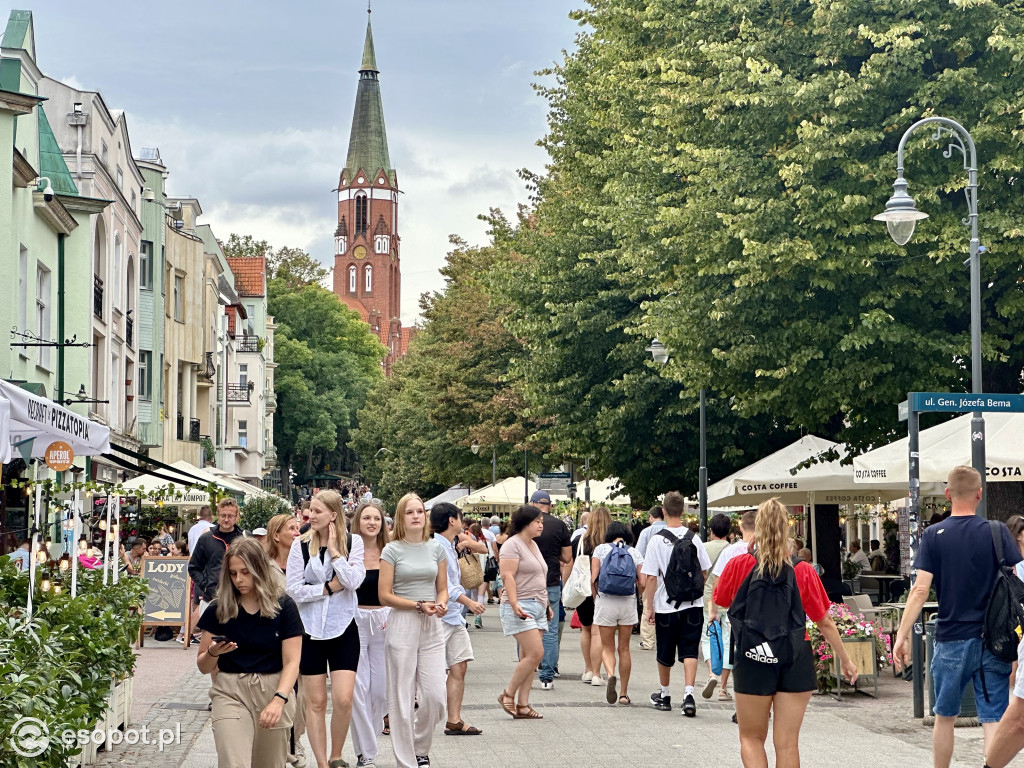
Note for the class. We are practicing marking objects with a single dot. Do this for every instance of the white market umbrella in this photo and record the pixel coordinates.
(451, 496)
(948, 445)
(234, 482)
(829, 482)
(182, 496)
(503, 496)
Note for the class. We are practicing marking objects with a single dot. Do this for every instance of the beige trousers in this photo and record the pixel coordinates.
(414, 658)
(238, 701)
(646, 630)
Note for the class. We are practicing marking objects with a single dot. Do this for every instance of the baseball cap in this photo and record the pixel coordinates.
(540, 496)
(259, 532)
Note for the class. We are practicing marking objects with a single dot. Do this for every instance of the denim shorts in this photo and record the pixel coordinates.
(536, 611)
(956, 664)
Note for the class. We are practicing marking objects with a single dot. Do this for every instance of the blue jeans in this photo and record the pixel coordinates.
(959, 663)
(550, 660)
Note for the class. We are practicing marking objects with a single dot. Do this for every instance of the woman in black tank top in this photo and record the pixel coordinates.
(370, 703)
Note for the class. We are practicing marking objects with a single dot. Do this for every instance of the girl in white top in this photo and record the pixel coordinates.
(324, 586)
(616, 612)
(414, 583)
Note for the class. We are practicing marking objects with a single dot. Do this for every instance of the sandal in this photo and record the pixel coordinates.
(339, 763)
(460, 729)
(529, 714)
(624, 700)
(724, 695)
(510, 705)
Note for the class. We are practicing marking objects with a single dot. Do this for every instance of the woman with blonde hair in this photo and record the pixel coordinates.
(281, 532)
(414, 584)
(773, 668)
(590, 642)
(371, 697)
(256, 657)
(325, 567)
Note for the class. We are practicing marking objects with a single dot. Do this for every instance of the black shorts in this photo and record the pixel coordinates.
(756, 678)
(678, 635)
(337, 654)
(585, 611)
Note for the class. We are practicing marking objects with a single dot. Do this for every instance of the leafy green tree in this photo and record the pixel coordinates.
(293, 269)
(246, 246)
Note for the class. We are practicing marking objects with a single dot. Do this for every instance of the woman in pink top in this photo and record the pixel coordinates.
(524, 610)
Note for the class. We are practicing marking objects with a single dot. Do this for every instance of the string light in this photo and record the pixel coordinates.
(102, 524)
(45, 583)
(41, 555)
(56, 589)
(65, 562)
(83, 545)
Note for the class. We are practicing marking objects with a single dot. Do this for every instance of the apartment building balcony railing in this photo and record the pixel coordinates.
(129, 332)
(192, 435)
(239, 393)
(97, 296)
(248, 343)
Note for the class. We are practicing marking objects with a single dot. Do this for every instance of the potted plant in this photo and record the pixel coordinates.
(851, 571)
(855, 632)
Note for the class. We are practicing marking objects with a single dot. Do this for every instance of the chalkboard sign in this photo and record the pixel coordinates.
(169, 601)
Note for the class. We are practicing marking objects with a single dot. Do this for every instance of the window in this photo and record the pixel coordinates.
(115, 281)
(361, 213)
(145, 375)
(339, 245)
(243, 375)
(146, 265)
(368, 284)
(23, 291)
(134, 200)
(243, 428)
(179, 298)
(250, 310)
(103, 152)
(43, 313)
(120, 180)
(352, 279)
(381, 243)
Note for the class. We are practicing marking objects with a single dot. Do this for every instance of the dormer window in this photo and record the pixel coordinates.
(352, 279)
(361, 213)
(381, 244)
(340, 246)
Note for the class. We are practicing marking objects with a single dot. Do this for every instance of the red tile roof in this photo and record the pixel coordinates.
(405, 340)
(250, 274)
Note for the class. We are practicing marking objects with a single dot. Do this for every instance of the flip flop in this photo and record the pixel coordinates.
(724, 695)
(624, 701)
(610, 692)
(529, 714)
(509, 707)
(461, 729)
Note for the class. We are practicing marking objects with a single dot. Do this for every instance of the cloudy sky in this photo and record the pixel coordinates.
(250, 103)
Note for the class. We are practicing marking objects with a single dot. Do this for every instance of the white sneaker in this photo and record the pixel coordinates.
(586, 677)
(597, 681)
(547, 685)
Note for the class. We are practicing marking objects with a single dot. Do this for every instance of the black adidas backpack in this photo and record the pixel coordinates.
(684, 578)
(1004, 615)
(767, 617)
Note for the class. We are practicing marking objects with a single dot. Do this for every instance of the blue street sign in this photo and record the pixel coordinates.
(965, 402)
(554, 475)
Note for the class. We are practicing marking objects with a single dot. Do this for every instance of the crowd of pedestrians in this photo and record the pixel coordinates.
(382, 608)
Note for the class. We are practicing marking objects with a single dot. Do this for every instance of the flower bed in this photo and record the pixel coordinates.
(57, 667)
(851, 626)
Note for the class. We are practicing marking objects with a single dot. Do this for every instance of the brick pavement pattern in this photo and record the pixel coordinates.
(578, 726)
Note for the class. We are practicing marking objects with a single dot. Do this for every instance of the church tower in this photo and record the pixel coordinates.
(367, 267)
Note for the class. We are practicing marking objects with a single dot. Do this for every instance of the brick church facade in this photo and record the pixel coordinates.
(367, 260)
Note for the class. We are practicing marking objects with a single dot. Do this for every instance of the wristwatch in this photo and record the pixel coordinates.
(281, 696)
(327, 586)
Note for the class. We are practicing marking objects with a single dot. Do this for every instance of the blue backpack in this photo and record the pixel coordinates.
(618, 572)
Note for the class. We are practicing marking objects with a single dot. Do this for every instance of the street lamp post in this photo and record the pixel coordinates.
(475, 448)
(901, 216)
(660, 354)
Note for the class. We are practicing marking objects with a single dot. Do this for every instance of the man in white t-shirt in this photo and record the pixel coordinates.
(582, 529)
(678, 628)
(204, 524)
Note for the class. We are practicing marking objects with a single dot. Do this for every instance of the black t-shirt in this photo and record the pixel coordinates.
(959, 554)
(550, 542)
(259, 639)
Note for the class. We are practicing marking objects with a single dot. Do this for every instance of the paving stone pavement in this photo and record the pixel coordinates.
(579, 727)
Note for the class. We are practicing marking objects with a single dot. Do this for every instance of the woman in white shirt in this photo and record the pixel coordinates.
(616, 610)
(322, 578)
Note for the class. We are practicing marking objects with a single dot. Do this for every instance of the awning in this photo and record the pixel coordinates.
(451, 496)
(504, 496)
(182, 496)
(27, 417)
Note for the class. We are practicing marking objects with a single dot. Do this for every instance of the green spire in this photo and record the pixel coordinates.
(368, 140)
(369, 63)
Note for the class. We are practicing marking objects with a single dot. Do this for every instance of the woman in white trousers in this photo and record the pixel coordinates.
(371, 696)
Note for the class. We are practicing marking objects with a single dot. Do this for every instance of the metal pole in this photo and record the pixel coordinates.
(106, 539)
(586, 491)
(913, 512)
(76, 527)
(703, 472)
(494, 465)
(526, 477)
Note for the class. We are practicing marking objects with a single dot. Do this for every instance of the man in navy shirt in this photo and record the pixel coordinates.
(958, 557)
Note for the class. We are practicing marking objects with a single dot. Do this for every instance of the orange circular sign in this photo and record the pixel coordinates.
(59, 456)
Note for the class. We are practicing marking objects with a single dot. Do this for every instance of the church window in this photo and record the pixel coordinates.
(352, 279)
(361, 214)
(339, 244)
(381, 244)
(368, 287)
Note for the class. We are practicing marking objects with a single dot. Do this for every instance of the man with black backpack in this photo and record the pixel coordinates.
(963, 556)
(676, 556)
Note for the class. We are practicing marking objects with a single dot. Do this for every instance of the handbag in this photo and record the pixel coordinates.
(576, 623)
(472, 575)
(490, 569)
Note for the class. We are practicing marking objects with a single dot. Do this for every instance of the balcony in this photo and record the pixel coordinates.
(248, 343)
(193, 430)
(129, 332)
(239, 393)
(97, 296)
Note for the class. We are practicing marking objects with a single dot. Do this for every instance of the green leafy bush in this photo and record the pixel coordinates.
(257, 511)
(57, 666)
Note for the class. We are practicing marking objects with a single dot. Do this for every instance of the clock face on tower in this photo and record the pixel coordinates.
(359, 252)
